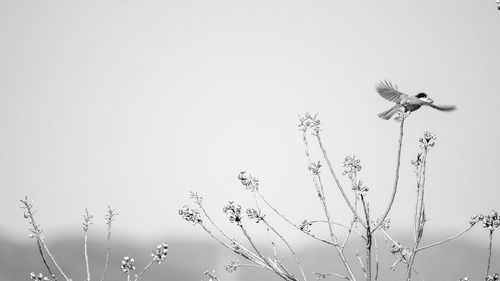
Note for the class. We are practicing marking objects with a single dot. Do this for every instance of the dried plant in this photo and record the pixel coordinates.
(363, 222)
(159, 254)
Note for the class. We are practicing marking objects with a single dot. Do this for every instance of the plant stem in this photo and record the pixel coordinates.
(44, 260)
(368, 239)
(86, 256)
(394, 190)
(489, 253)
(108, 251)
(143, 270)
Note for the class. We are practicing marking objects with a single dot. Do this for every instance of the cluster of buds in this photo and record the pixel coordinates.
(127, 264)
(232, 266)
(38, 277)
(195, 197)
(110, 215)
(35, 228)
(233, 212)
(308, 121)
(314, 168)
(351, 166)
(397, 248)
(490, 221)
(305, 226)
(493, 277)
(87, 220)
(160, 253)
(211, 275)
(248, 181)
(466, 278)
(255, 214)
(190, 215)
(427, 141)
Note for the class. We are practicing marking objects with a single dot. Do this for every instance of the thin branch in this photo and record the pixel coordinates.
(86, 256)
(444, 240)
(489, 253)
(332, 172)
(108, 252)
(398, 164)
(361, 264)
(324, 275)
(289, 221)
(45, 261)
(138, 277)
(289, 248)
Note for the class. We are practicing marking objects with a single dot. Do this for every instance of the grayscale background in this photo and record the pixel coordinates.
(135, 103)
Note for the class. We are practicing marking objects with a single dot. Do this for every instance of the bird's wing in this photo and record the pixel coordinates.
(443, 107)
(390, 92)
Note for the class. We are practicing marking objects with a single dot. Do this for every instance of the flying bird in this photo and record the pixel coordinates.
(403, 101)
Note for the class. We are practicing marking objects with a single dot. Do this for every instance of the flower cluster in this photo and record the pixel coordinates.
(492, 277)
(87, 220)
(466, 278)
(305, 226)
(351, 166)
(232, 266)
(110, 215)
(38, 277)
(490, 221)
(309, 121)
(255, 214)
(191, 215)
(233, 212)
(160, 253)
(314, 168)
(427, 141)
(400, 249)
(34, 228)
(127, 264)
(248, 181)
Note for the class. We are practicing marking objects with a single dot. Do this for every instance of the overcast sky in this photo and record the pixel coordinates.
(134, 103)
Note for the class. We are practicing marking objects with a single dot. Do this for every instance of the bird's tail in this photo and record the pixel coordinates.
(389, 113)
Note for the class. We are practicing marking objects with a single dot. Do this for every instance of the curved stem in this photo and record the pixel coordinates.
(444, 241)
(394, 190)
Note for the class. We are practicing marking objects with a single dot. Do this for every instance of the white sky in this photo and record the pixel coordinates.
(134, 103)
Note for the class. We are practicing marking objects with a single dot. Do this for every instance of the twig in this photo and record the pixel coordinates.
(368, 239)
(138, 277)
(489, 253)
(37, 233)
(332, 172)
(45, 261)
(289, 221)
(109, 217)
(361, 264)
(398, 164)
(289, 248)
(319, 187)
(324, 275)
(444, 240)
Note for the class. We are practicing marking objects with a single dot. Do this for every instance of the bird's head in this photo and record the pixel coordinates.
(423, 97)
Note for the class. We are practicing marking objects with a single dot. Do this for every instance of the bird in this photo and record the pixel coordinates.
(405, 102)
